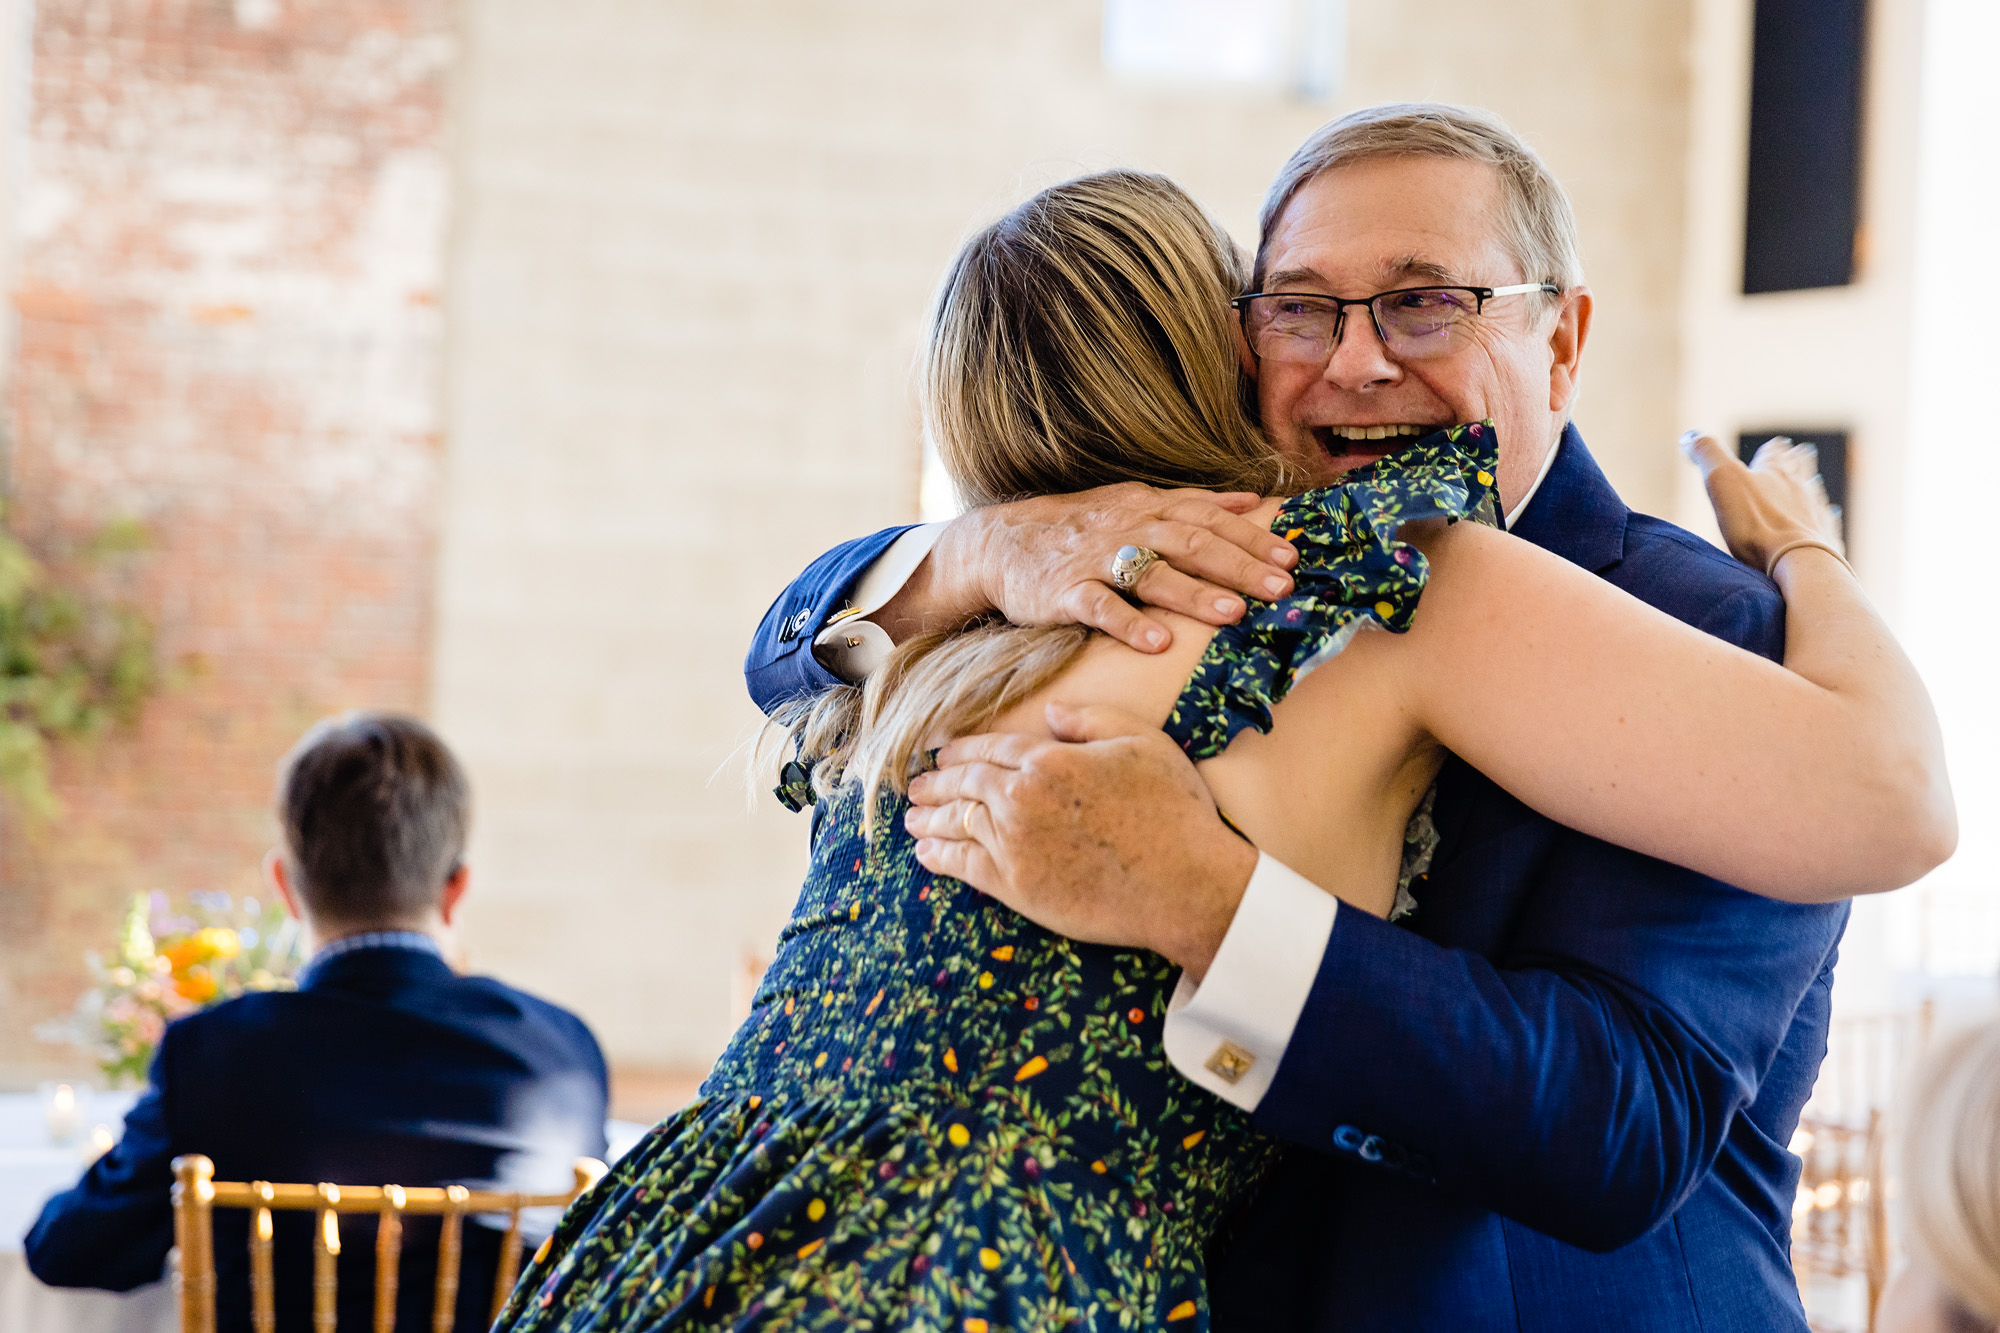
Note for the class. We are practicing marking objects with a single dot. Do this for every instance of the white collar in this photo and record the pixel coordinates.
(1548, 461)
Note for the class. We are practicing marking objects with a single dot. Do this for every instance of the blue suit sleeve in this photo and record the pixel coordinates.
(112, 1230)
(780, 666)
(1582, 1079)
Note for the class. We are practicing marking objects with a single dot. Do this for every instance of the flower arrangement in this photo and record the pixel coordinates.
(169, 963)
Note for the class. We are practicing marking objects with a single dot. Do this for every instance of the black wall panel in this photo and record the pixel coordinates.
(1804, 201)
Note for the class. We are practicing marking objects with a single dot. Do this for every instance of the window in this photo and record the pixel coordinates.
(1297, 45)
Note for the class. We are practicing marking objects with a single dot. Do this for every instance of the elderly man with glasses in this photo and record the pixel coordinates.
(1558, 1094)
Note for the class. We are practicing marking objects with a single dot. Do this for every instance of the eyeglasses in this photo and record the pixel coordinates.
(1414, 323)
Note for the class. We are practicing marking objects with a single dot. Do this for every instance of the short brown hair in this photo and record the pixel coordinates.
(1536, 222)
(375, 811)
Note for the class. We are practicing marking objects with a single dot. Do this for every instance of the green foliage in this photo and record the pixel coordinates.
(71, 663)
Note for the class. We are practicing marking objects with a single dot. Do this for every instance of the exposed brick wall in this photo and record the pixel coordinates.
(229, 253)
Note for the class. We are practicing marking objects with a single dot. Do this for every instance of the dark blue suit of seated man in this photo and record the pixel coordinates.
(384, 1067)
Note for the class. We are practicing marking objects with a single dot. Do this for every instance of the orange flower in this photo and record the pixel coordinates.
(197, 985)
(183, 953)
(1030, 1069)
(1185, 1310)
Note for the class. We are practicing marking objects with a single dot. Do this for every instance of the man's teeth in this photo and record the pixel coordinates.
(1376, 432)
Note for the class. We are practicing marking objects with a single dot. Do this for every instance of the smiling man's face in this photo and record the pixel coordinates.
(1408, 222)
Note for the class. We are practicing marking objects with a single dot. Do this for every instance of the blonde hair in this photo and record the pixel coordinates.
(1081, 340)
(1537, 224)
(1951, 1168)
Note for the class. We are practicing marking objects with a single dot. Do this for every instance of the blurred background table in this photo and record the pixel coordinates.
(32, 1169)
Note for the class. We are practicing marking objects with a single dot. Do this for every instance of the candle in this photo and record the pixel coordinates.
(62, 1110)
(101, 1141)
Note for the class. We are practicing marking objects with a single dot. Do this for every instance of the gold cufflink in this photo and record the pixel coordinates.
(1230, 1062)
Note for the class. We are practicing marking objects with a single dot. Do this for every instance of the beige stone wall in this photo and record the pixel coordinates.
(1602, 92)
(693, 246)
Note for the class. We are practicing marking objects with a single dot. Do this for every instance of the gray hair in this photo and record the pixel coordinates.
(1537, 224)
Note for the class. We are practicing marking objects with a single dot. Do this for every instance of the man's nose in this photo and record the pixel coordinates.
(1360, 360)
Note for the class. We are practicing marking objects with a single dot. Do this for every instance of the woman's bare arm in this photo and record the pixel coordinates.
(1812, 782)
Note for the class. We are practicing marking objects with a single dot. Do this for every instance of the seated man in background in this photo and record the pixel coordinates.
(384, 1067)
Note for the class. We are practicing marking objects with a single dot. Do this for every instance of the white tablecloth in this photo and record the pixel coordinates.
(31, 1170)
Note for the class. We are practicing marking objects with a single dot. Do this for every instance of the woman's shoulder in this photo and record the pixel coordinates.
(1357, 569)
(1143, 684)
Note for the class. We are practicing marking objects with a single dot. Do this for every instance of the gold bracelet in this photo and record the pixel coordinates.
(1771, 565)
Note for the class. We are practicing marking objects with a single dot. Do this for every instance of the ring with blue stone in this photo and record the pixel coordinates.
(1129, 564)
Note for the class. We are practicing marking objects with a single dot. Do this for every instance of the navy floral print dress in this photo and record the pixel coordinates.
(940, 1116)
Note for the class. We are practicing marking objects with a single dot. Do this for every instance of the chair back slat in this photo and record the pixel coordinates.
(326, 1251)
(194, 1234)
(196, 1194)
(263, 1286)
(388, 1255)
(510, 1262)
(1878, 1213)
(444, 1310)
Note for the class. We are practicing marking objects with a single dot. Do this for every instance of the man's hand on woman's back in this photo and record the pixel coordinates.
(1047, 561)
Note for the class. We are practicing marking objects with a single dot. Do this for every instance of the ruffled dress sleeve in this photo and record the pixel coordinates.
(1352, 573)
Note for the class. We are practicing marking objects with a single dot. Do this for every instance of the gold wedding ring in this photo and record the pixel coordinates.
(1129, 564)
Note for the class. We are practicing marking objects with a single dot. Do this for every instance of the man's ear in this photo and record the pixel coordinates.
(280, 877)
(1566, 339)
(454, 891)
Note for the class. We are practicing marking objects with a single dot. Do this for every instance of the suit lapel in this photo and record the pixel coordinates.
(1576, 514)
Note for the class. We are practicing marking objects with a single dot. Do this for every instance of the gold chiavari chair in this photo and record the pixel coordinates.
(197, 1194)
(1841, 1246)
(1840, 1222)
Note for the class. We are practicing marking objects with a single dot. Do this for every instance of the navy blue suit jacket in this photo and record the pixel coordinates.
(1561, 1097)
(387, 1068)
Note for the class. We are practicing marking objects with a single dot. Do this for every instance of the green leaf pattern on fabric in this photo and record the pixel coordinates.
(940, 1116)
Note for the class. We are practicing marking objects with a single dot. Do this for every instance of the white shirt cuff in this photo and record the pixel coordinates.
(853, 647)
(1229, 1034)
